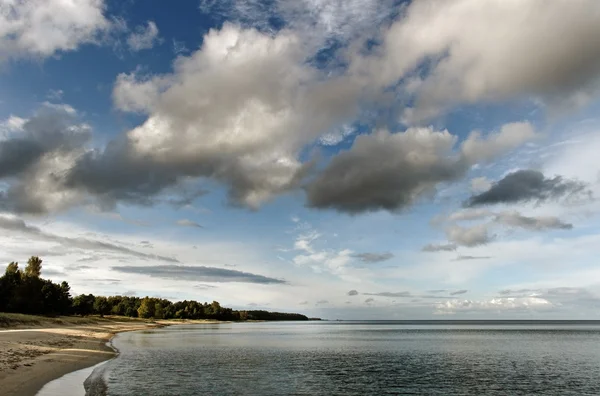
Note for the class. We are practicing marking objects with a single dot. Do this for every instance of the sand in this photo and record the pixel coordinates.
(30, 358)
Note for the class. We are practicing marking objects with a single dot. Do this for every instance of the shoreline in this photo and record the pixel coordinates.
(34, 356)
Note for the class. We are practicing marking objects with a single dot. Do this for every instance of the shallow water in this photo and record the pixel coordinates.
(341, 358)
(69, 384)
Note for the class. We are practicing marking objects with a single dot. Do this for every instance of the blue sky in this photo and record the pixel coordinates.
(347, 159)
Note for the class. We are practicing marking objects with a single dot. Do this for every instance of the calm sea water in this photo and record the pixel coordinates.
(357, 358)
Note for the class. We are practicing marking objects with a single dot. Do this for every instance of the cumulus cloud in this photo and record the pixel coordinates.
(263, 109)
(352, 293)
(14, 224)
(527, 185)
(373, 257)
(197, 273)
(444, 247)
(468, 236)
(481, 51)
(33, 158)
(42, 28)
(144, 37)
(540, 223)
(390, 171)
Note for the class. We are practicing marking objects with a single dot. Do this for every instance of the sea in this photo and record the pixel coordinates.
(351, 358)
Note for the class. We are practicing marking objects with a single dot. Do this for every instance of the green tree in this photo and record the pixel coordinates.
(12, 268)
(84, 304)
(101, 306)
(34, 267)
(146, 309)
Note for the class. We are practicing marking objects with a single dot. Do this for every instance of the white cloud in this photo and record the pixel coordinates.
(468, 236)
(42, 28)
(488, 51)
(494, 305)
(480, 184)
(240, 109)
(144, 37)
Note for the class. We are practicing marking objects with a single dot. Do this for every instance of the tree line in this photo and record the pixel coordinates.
(24, 291)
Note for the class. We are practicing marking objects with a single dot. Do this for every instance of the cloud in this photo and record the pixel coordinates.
(500, 304)
(466, 258)
(468, 51)
(43, 28)
(540, 223)
(373, 257)
(480, 184)
(527, 185)
(390, 294)
(266, 105)
(144, 37)
(197, 273)
(14, 224)
(459, 292)
(469, 215)
(33, 158)
(390, 171)
(352, 293)
(482, 149)
(320, 22)
(468, 236)
(188, 223)
(369, 300)
(321, 302)
(432, 247)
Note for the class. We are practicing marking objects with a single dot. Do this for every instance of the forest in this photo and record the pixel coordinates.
(24, 291)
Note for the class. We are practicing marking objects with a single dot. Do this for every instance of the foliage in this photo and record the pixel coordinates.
(25, 292)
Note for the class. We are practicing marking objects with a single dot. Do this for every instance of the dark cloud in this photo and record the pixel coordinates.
(466, 258)
(199, 273)
(377, 173)
(437, 291)
(321, 302)
(373, 257)
(352, 293)
(525, 186)
(51, 130)
(188, 223)
(18, 225)
(540, 223)
(459, 292)
(431, 247)
(390, 294)
(369, 300)
(33, 160)
(390, 171)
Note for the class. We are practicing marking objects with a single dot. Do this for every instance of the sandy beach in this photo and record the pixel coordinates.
(31, 356)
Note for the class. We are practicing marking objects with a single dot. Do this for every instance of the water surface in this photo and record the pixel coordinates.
(357, 358)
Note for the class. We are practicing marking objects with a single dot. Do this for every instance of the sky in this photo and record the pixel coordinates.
(347, 159)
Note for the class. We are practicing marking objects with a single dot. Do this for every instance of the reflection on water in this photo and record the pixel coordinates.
(357, 359)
